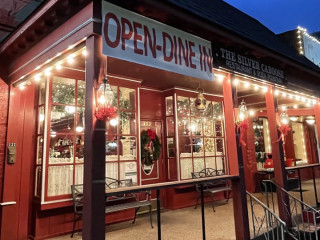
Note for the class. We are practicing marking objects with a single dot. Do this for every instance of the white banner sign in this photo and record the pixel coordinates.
(132, 37)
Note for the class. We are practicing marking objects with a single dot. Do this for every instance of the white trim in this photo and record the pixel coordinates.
(75, 69)
(8, 203)
(226, 158)
(177, 135)
(150, 89)
(56, 201)
(193, 91)
(87, 22)
(124, 78)
(45, 140)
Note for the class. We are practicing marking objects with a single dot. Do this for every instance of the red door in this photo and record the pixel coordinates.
(153, 173)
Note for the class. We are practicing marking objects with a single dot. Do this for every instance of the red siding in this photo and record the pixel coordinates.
(3, 127)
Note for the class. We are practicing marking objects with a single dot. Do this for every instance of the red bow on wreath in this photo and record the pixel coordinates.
(151, 134)
(243, 126)
(105, 113)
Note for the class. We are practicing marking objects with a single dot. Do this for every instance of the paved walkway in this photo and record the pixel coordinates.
(185, 224)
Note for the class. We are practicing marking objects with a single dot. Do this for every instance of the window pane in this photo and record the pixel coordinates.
(112, 170)
(127, 98)
(38, 179)
(193, 109)
(59, 180)
(170, 126)
(80, 120)
(41, 119)
(112, 150)
(169, 106)
(171, 148)
(78, 174)
(186, 168)
(183, 107)
(42, 92)
(128, 148)
(208, 127)
(128, 123)
(219, 129)
(80, 149)
(196, 126)
(112, 127)
(197, 147)
(185, 147)
(219, 146)
(61, 149)
(63, 90)
(209, 146)
(81, 93)
(128, 170)
(220, 163)
(198, 164)
(208, 112)
(210, 162)
(217, 110)
(183, 126)
(40, 150)
(62, 119)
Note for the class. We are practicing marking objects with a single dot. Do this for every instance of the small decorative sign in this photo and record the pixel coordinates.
(241, 63)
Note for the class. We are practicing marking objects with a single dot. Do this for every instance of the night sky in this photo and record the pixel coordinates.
(282, 15)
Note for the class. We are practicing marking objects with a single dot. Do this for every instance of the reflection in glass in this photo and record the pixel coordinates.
(42, 92)
(127, 98)
(169, 106)
(127, 123)
(171, 148)
(40, 150)
(111, 150)
(197, 147)
(61, 149)
(183, 107)
(196, 126)
(183, 124)
(80, 149)
(78, 174)
(198, 164)
(219, 146)
(128, 150)
(208, 127)
(61, 120)
(41, 120)
(209, 146)
(111, 171)
(81, 93)
(63, 90)
(170, 126)
(185, 147)
(219, 129)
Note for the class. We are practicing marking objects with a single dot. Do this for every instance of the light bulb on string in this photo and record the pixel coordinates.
(276, 92)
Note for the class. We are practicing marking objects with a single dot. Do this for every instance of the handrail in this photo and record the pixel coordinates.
(295, 198)
(266, 207)
(156, 186)
(266, 223)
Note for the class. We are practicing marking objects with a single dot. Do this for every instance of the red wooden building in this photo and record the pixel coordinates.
(157, 56)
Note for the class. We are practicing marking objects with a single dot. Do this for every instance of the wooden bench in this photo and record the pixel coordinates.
(113, 203)
(212, 187)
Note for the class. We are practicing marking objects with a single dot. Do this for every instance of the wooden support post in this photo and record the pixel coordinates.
(277, 153)
(240, 208)
(94, 148)
(317, 117)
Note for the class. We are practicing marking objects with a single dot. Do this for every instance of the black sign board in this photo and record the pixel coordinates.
(248, 65)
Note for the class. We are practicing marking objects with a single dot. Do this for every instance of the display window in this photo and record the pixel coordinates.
(200, 135)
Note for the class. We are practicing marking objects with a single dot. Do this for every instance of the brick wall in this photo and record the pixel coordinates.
(3, 127)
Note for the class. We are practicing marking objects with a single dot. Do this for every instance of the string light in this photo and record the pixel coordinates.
(37, 77)
(284, 94)
(84, 52)
(283, 108)
(246, 85)
(256, 87)
(265, 89)
(58, 66)
(276, 92)
(235, 82)
(295, 106)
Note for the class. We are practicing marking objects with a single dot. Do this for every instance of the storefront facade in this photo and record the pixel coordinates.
(156, 67)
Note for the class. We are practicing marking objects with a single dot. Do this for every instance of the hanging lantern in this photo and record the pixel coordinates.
(104, 109)
(200, 101)
(243, 111)
(284, 119)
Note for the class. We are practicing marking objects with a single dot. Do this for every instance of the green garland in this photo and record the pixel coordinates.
(146, 156)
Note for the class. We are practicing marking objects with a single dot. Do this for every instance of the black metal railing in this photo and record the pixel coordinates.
(158, 186)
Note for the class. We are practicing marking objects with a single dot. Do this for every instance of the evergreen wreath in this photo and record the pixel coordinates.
(150, 147)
